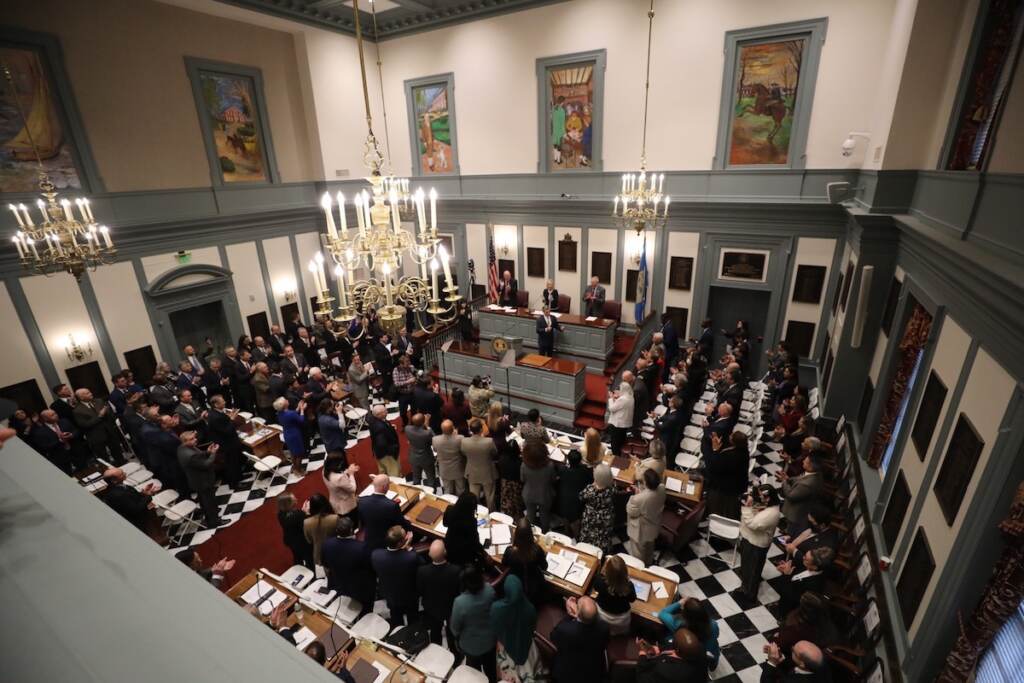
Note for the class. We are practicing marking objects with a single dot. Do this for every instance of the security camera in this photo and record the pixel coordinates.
(849, 144)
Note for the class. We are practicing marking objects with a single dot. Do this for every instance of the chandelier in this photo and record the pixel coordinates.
(60, 241)
(642, 205)
(379, 243)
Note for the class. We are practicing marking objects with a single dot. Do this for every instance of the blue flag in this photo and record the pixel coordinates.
(641, 286)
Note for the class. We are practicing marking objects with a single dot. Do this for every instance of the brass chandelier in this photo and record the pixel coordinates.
(642, 205)
(60, 241)
(379, 243)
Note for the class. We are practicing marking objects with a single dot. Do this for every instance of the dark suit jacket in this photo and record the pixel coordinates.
(549, 297)
(733, 395)
(438, 586)
(118, 399)
(671, 340)
(706, 342)
(63, 410)
(428, 402)
(99, 430)
(722, 427)
(333, 436)
(670, 428)
(595, 305)
(278, 342)
(383, 437)
(349, 572)
(666, 668)
(641, 402)
(396, 570)
(546, 339)
(507, 292)
(46, 441)
(377, 514)
(198, 466)
(129, 503)
(581, 651)
(223, 433)
(727, 471)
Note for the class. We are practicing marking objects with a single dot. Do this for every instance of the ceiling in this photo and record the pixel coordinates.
(394, 17)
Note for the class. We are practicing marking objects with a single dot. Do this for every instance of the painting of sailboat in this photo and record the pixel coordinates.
(31, 125)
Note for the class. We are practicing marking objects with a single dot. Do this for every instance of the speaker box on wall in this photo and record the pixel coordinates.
(867, 273)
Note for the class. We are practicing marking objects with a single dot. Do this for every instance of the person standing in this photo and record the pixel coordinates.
(331, 422)
(261, 387)
(471, 622)
(293, 423)
(479, 397)
(549, 297)
(438, 585)
(581, 639)
(514, 619)
(538, 475)
(397, 567)
(96, 420)
(223, 433)
(384, 441)
(358, 380)
(547, 325)
(480, 454)
(421, 452)
(758, 519)
(593, 299)
(451, 463)
(620, 416)
(508, 289)
(320, 524)
(201, 478)
(291, 519)
(615, 595)
(598, 501)
(643, 513)
(572, 477)
(347, 563)
(404, 379)
(726, 474)
(378, 513)
(340, 480)
(457, 410)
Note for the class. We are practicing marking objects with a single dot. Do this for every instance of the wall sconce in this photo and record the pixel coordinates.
(288, 289)
(77, 350)
(504, 242)
(635, 250)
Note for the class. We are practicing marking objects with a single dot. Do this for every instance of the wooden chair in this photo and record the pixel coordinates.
(679, 525)
(564, 303)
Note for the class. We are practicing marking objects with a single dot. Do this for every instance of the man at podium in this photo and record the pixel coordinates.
(547, 325)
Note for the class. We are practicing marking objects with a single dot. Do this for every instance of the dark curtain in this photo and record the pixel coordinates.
(915, 334)
(1003, 594)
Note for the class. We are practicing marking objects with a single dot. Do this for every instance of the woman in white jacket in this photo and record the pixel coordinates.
(620, 413)
(758, 518)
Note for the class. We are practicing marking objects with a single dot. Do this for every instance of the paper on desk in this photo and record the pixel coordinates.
(691, 488)
(382, 672)
(538, 312)
(259, 590)
(590, 318)
(673, 484)
(569, 554)
(390, 495)
(303, 637)
(659, 589)
(643, 589)
(440, 527)
(555, 315)
(484, 533)
(493, 307)
(577, 574)
(615, 471)
(501, 534)
(555, 454)
(272, 601)
(558, 565)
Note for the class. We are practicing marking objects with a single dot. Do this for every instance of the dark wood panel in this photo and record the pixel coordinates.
(142, 363)
(917, 573)
(799, 336)
(601, 266)
(26, 395)
(535, 265)
(743, 265)
(928, 414)
(631, 280)
(958, 468)
(288, 311)
(810, 281)
(88, 376)
(258, 324)
(890, 305)
(503, 265)
(895, 511)
(839, 292)
(567, 249)
(680, 272)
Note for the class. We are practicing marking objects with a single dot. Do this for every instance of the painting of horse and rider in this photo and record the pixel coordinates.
(230, 104)
(767, 78)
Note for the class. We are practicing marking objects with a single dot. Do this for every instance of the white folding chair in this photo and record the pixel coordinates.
(448, 498)
(726, 528)
(501, 518)
(164, 500)
(372, 625)
(434, 661)
(346, 610)
(130, 468)
(184, 514)
(482, 511)
(708, 396)
(663, 573)
(559, 538)
(743, 429)
(357, 415)
(467, 674)
(297, 577)
(690, 445)
(688, 461)
(634, 562)
(693, 432)
(268, 463)
(588, 548)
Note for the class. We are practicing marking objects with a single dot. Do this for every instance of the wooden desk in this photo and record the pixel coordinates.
(423, 503)
(627, 474)
(588, 342)
(562, 585)
(649, 608)
(268, 444)
(368, 652)
(408, 494)
(316, 622)
(684, 479)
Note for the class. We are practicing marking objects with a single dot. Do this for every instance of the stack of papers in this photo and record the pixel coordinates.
(659, 590)
(555, 315)
(577, 574)
(440, 527)
(303, 637)
(673, 484)
(643, 589)
(558, 565)
(590, 318)
(265, 596)
(501, 534)
(691, 488)
(615, 471)
(510, 309)
(484, 533)
(494, 307)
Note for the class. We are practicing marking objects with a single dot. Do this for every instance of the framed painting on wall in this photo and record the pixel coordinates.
(37, 106)
(767, 91)
(601, 266)
(233, 120)
(680, 272)
(747, 265)
(567, 250)
(570, 97)
(430, 102)
(535, 262)
(809, 284)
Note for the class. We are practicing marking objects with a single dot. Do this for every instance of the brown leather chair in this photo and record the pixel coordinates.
(564, 303)
(549, 615)
(612, 310)
(522, 298)
(622, 654)
(679, 525)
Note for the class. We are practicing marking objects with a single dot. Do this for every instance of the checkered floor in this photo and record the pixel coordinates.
(252, 492)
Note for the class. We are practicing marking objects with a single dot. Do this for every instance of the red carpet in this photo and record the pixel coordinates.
(255, 540)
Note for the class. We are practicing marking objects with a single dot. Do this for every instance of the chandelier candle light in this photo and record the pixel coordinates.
(380, 245)
(642, 204)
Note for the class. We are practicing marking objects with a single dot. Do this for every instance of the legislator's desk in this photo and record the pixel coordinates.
(366, 655)
(261, 439)
(428, 505)
(624, 471)
(648, 609)
(556, 388)
(588, 342)
(404, 494)
(495, 553)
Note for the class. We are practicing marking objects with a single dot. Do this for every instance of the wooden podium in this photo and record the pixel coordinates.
(535, 360)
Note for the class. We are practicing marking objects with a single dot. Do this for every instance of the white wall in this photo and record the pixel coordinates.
(682, 244)
(507, 235)
(123, 309)
(19, 361)
(57, 305)
(600, 239)
(154, 266)
(476, 249)
(281, 269)
(244, 264)
(810, 251)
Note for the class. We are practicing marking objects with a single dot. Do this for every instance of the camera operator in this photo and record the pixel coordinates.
(480, 395)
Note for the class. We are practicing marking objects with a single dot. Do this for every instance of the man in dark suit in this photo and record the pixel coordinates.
(188, 378)
(670, 427)
(427, 401)
(670, 337)
(378, 513)
(720, 425)
(396, 567)
(802, 574)
(383, 440)
(292, 364)
(278, 340)
(686, 661)
(215, 382)
(809, 665)
(508, 289)
(593, 299)
(96, 420)
(162, 446)
(347, 561)
(732, 392)
(438, 585)
(706, 340)
(198, 468)
(52, 437)
(221, 430)
(547, 325)
(581, 639)
(241, 387)
(190, 416)
(641, 401)
(726, 474)
(63, 402)
(125, 500)
(119, 394)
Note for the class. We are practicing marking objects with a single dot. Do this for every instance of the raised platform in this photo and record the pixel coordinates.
(587, 342)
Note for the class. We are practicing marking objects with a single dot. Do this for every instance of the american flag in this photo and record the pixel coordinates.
(492, 272)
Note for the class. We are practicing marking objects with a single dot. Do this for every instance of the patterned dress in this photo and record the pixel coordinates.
(598, 517)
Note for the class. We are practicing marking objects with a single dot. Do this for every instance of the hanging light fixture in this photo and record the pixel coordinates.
(61, 241)
(642, 205)
(379, 243)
